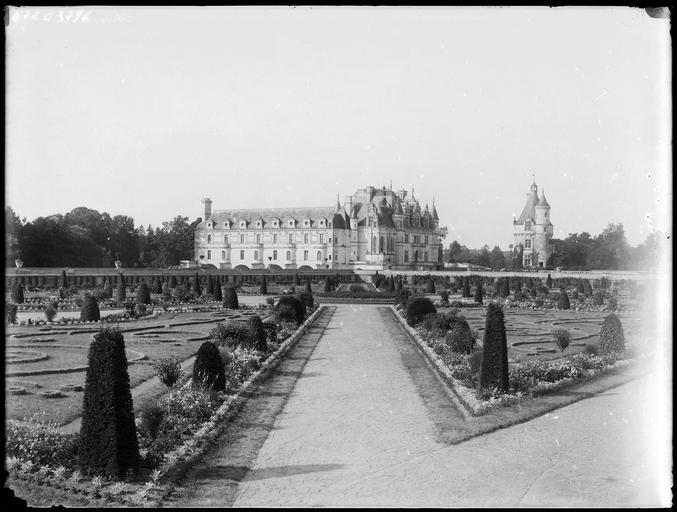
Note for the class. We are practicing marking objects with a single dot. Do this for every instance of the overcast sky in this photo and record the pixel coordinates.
(144, 111)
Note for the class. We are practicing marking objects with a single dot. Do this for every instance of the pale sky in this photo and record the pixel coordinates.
(145, 111)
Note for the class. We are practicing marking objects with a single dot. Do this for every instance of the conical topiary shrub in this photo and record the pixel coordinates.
(263, 289)
(327, 285)
(255, 325)
(548, 281)
(172, 282)
(598, 299)
(218, 296)
(230, 298)
(305, 298)
(17, 293)
(297, 281)
(208, 370)
(478, 292)
(308, 287)
(210, 285)
(64, 279)
(197, 290)
(89, 312)
(611, 336)
(465, 291)
(142, 294)
(108, 288)
(494, 369)
(430, 286)
(563, 300)
(107, 444)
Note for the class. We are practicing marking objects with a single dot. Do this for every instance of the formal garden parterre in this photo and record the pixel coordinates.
(496, 341)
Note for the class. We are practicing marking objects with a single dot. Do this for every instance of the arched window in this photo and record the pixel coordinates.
(380, 244)
(256, 255)
(288, 255)
(223, 255)
(319, 255)
(258, 239)
(291, 239)
(373, 244)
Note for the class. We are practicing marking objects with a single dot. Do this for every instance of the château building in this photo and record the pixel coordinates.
(533, 230)
(375, 228)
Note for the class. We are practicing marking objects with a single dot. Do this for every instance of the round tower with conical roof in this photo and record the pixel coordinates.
(533, 230)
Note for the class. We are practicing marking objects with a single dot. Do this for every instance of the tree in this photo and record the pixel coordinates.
(259, 336)
(466, 288)
(107, 442)
(308, 288)
(196, 285)
(610, 250)
(17, 293)
(13, 228)
(494, 367)
(264, 286)
(497, 258)
(611, 336)
(548, 281)
(169, 371)
(562, 339)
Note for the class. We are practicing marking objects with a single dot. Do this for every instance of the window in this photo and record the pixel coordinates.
(291, 223)
(321, 223)
(288, 255)
(223, 255)
(425, 256)
(256, 255)
(241, 239)
(527, 243)
(319, 255)
(406, 240)
(416, 239)
(305, 237)
(305, 255)
(241, 255)
(209, 255)
(306, 223)
(291, 239)
(527, 225)
(209, 239)
(321, 239)
(258, 223)
(225, 238)
(426, 239)
(274, 239)
(243, 224)
(406, 256)
(275, 255)
(258, 239)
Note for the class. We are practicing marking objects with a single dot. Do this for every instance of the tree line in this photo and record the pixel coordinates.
(607, 251)
(87, 238)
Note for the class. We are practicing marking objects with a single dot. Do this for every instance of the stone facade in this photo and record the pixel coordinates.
(533, 230)
(375, 228)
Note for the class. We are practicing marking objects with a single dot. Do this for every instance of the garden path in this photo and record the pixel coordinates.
(369, 425)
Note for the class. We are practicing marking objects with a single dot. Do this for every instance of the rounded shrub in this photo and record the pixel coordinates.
(90, 310)
(460, 339)
(418, 309)
(281, 309)
(611, 336)
(208, 370)
(17, 293)
(230, 298)
(108, 444)
(10, 312)
(305, 298)
(151, 415)
(562, 339)
(143, 294)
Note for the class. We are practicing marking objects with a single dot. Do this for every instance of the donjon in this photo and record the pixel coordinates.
(374, 228)
(533, 230)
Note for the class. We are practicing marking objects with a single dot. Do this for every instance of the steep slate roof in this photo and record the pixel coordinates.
(543, 201)
(268, 214)
(529, 211)
(434, 212)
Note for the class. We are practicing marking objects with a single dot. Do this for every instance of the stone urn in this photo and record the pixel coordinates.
(118, 264)
(19, 262)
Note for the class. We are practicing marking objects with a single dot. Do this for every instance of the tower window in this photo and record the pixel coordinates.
(209, 255)
(241, 255)
(275, 255)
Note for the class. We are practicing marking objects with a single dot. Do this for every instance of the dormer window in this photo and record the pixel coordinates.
(321, 223)
(291, 223)
(306, 223)
(209, 224)
(259, 224)
(243, 224)
(226, 225)
(276, 224)
(527, 225)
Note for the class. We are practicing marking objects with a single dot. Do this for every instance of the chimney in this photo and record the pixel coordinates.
(208, 207)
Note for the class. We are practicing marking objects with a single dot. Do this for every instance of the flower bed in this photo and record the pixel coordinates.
(527, 380)
(41, 454)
